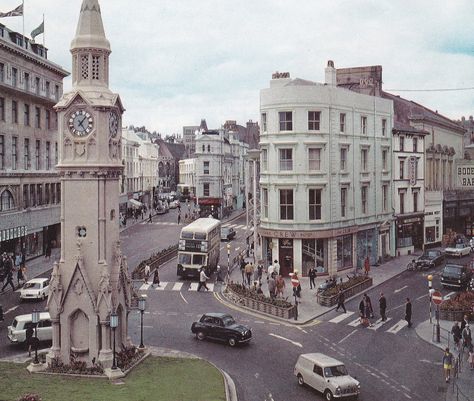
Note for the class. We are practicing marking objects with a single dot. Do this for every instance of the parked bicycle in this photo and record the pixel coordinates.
(412, 265)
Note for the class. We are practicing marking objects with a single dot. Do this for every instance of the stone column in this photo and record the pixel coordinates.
(55, 350)
(105, 353)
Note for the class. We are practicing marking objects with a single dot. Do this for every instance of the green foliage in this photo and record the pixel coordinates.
(461, 301)
(127, 356)
(351, 282)
(248, 293)
(75, 367)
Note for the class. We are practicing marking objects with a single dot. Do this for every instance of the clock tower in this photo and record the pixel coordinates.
(91, 279)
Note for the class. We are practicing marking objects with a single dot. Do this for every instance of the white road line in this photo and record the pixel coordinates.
(10, 310)
(172, 313)
(275, 324)
(162, 286)
(177, 286)
(379, 323)
(346, 337)
(286, 339)
(144, 287)
(236, 249)
(448, 296)
(405, 387)
(406, 395)
(340, 318)
(147, 327)
(193, 286)
(259, 322)
(400, 289)
(354, 323)
(400, 325)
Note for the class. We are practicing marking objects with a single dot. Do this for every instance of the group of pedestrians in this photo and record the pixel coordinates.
(156, 276)
(10, 264)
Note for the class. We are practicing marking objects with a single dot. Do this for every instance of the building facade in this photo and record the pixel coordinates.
(321, 150)
(30, 188)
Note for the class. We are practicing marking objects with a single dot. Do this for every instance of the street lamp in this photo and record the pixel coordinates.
(430, 289)
(114, 325)
(141, 307)
(35, 318)
(228, 258)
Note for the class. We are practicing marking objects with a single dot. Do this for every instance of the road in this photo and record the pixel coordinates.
(389, 360)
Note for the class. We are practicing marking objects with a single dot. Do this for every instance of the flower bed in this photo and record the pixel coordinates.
(456, 307)
(350, 287)
(74, 368)
(240, 295)
(154, 261)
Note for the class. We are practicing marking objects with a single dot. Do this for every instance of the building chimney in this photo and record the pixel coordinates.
(330, 74)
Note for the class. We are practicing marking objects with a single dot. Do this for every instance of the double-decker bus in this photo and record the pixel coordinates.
(198, 247)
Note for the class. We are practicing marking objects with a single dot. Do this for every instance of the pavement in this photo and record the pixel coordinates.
(460, 389)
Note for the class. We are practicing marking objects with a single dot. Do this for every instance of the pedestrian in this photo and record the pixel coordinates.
(259, 289)
(408, 311)
(242, 269)
(340, 300)
(19, 276)
(363, 319)
(270, 271)
(249, 269)
(280, 286)
(179, 217)
(383, 306)
(156, 278)
(312, 276)
(297, 289)
(466, 337)
(18, 260)
(367, 265)
(218, 274)
(23, 272)
(370, 309)
(202, 280)
(457, 335)
(464, 322)
(47, 253)
(260, 272)
(447, 364)
(149, 217)
(146, 273)
(471, 357)
(29, 337)
(272, 286)
(276, 267)
(9, 280)
(185, 217)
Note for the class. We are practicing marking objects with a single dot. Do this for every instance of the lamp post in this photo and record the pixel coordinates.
(228, 258)
(114, 325)
(430, 289)
(141, 307)
(35, 318)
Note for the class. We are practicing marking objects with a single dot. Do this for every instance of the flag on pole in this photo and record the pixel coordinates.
(17, 12)
(37, 31)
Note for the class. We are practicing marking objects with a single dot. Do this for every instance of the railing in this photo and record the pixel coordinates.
(444, 334)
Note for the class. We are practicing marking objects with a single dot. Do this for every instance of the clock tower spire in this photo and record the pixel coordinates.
(91, 279)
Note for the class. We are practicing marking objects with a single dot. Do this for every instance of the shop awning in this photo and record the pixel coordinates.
(134, 203)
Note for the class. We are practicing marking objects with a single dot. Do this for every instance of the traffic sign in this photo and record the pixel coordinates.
(437, 298)
(294, 280)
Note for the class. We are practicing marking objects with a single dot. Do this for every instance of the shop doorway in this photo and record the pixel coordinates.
(285, 255)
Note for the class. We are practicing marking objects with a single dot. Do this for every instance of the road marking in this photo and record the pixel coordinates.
(379, 323)
(161, 286)
(10, 310)
(355, 323)
(144, 287)
(274, 324)
(346, 337)
(400, 289)
(448, 296)
(193, 286)
(340, 318)
(258, 321)
(286, 339)
(406, 395)
(177, 286)
(400, 325)
(147, 327)
(236, 249)
(182, 296)
(420, 297)
(172, 313)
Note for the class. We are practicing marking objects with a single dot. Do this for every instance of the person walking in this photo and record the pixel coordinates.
(9, 280)
(19, 276)
(363, 319)
(249, 272)
(383, 306)
(242, 269)
(260, 272)
(272, 286)
(408, 312)
(29, 338)
(156, 278)
(179, 218)
(280, 286)
(270, 271)
(146, 273)
(47, 254)
(202, 280)
(457, 335)
(276, 267)
(218, 274)
(447, 364)
(366, 265)
(149, 217)
(340, 301)
(370, 309)
(466, 337)
(312, 276)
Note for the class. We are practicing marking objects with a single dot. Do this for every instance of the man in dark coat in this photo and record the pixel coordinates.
(312, 276)
(340, 300)
(408, 312)
(383, 307)
(9, 280)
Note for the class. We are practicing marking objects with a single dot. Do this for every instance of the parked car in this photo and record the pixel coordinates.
(456, 276)
(222, 327)
(429, 259)
(227, 233)
(326, 375)
(459, 250)
(36, 288)
(162, 207)
(174, 204)
(471, 243)
(17, 330)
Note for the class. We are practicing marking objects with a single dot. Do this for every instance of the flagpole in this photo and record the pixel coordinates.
(23, 15)
(44, 40)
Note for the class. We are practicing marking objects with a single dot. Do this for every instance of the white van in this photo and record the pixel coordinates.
(17, 331)
(326, 375)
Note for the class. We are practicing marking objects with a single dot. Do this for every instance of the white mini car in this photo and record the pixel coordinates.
(458, 250)
(37, 288)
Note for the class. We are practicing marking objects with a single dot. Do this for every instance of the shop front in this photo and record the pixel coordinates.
(210, 207)
(410, 235)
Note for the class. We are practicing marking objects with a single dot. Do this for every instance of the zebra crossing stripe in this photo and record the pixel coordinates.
(193, 287)
(379, 323)
(162, 286)
(355, 323)
(144, 287)
(340, 318)
(400, 325)
(177, 286)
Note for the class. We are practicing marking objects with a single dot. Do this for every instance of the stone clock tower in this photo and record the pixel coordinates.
(91, 280)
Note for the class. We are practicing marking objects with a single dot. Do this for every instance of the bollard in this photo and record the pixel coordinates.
(1, 313)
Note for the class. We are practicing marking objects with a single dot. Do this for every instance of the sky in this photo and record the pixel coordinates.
(175, 62)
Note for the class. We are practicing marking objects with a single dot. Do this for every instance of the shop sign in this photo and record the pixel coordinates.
(412, 220)
(465, 175)
(286, 244)
(12, 233)
(412, 162)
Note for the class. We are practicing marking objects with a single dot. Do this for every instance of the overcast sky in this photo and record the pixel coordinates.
(174, 62)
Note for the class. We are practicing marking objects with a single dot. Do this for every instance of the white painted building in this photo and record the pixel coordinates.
(187, 177)
(325, 192)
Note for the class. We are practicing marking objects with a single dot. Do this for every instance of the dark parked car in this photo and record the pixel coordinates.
(227, 233)
(221, 326)
(429, 259)
(457, 276)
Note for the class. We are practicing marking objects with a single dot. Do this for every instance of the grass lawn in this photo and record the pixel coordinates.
(157, 379)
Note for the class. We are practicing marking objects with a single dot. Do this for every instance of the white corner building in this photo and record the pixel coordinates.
(325, 175)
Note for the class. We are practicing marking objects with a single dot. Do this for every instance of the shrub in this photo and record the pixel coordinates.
(127, 356)
(138, 272)
(30, 397)
(248, 293)
(75, 367)
(462, 301)
(351, 282)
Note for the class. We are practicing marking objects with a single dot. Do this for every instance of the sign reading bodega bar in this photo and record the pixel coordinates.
(312, 234)
(12, 233)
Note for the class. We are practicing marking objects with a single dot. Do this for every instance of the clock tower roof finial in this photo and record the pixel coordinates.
(90, 29)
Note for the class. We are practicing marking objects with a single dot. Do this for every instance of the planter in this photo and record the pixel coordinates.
(263, 307)
(155, 261)
(348, 292)
(454, 315)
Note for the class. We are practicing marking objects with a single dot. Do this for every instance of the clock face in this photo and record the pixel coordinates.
(81, 123)
(113, 124)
